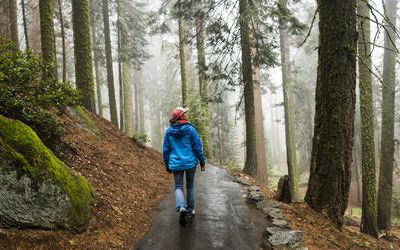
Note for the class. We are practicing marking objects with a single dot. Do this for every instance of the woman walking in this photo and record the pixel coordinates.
(182, 151)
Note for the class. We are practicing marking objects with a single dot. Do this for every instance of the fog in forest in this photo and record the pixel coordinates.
(151, 70)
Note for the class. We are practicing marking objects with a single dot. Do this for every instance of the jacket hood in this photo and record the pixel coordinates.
(179, 130)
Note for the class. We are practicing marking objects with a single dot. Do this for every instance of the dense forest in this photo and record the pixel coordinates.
(306, 89)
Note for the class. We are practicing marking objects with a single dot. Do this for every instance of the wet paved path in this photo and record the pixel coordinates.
(224, 219)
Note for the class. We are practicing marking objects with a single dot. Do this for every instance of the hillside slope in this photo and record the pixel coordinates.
(129, 180)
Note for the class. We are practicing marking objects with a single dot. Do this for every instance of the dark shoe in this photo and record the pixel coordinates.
(182, 218)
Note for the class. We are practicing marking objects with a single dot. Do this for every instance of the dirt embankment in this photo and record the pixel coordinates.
(129, 181)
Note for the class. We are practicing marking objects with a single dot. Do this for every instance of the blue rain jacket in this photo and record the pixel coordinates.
(182, 148)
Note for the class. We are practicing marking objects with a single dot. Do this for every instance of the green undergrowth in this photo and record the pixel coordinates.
(26, 96)
(30, 156)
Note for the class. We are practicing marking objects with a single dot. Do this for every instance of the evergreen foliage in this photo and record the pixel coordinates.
(24, 96)
(133, 23)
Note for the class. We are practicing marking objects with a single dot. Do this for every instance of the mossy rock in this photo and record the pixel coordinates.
(37, 190)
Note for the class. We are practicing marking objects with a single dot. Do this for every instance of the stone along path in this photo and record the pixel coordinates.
(225, 218)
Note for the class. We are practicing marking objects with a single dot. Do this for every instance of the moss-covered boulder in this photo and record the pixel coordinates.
(37, 190)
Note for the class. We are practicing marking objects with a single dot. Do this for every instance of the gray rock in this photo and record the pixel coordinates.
(37, 190)
(243, 181)
(257, 196)
(279, 223)
(267, 210)
(254, 188)
(298, 246)
(268, 203)
(284, 236)
(276, 214)
(277, 230)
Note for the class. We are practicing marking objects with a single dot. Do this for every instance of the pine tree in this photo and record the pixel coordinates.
(109, 60)
(250, 166)
(82, 52)
(329, 181)
(182, 54)
(23, 5)
(288, 104)
(369, 212)
(14, 24)
(126, 72)
(202, 72)
(5, 31)
(96, 56)
(64, 50)
(388, 103)
(47, 37)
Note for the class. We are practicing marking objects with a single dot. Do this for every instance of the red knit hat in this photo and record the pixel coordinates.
(178, 113)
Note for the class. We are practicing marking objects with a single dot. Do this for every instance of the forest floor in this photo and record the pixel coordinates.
(320, 233)
(130, 180)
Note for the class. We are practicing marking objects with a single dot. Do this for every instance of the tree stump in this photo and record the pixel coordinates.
(283, 192)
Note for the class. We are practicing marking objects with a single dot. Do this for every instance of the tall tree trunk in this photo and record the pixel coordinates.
(203, 83)
(219, 133)
(5, 21)
(109, 61)
(128, 104)
(388, 102)
(14, 24)
(275, 151)
(250, 166)
(288, 108)
(120, 77)
(34, 28)
(96, 57)
(47, 37)
(136, 101)
(64, 51)
(140, 110)
(328, 186)
(23, 5)
(182, 56)
(82, 51)
(126, 73)
(357, 177)
(369, 213)
(262, 168)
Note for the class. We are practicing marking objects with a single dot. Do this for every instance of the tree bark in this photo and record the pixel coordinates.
(120, 77)
(128, 104)
(14, 24)
(34, 28)
(126, 74)
(109, 61)
(48, 38)
(369, 210)
(96, 57)
(64, 51)
(288, 108)
(182, 56)
(23, 5)
(136, 101)
(5, 31)
(388, 103)
(203, 83)
(262, 167)
(82, 51)
(140, 110)
(329, 181)
(250, 166)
